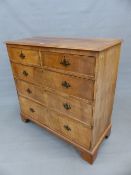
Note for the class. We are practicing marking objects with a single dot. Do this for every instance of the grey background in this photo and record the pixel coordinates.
(27, 148)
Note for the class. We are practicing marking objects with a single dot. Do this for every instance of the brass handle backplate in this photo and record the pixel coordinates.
(25, 73)
(22, 56)
(66, 106)
(65, 62)
(32, 110)
(29, 91)
(67, 127)
(65, 84)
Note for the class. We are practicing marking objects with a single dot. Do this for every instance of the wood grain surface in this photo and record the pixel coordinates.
(68, 43)
(67, 86)
(72, 107)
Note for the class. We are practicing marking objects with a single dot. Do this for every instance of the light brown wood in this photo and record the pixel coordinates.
(91, 156)
(27, 73)
(83, 88)
(107, 67)
(87, 154)
(32, 91)
(74, 86)
(67, 86)
(68, 43)
(70, 62)
(72, 129)
(78, 133)
(72, 107)
(24, 56)
(77, 109)
(34, 110)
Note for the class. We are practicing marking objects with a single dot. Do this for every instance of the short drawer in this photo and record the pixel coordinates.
(75, 131)
(79, 87)
(24, 56)
(69, 62)
(69, 106)
(27, 73)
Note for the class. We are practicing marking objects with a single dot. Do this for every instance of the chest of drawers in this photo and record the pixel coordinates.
(67, 86)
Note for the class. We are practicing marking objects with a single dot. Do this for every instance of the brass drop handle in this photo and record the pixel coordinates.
(67, 127)
(65, 62)
(25, 73)
(65, 84)
(22, 56)
(29, 91)
(32, 110)
(66, 106)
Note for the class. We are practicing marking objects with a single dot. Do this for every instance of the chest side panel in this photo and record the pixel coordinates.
(106, 68)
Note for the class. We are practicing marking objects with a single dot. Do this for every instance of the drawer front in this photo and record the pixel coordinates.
(35, 92)
(34, 110)
(71, 129)
(30, 74)
(24, 56)
(76, 131)
(74, 86)
(69, 62)
(38, 113)
(69, 106)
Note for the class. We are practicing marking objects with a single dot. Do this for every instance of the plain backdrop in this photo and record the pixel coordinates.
(28, 149)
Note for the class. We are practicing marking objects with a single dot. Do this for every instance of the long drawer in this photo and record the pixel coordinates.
(83, 64)
(24, 56)
(70, 128)
(70, 106)
(79, 87)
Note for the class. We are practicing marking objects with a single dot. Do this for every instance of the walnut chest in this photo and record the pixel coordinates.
(67, 86)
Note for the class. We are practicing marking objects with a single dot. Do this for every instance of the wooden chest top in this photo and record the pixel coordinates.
(68, 43)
